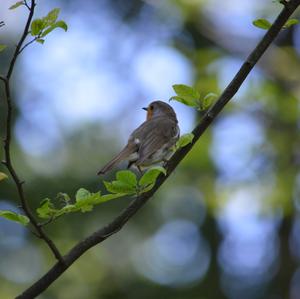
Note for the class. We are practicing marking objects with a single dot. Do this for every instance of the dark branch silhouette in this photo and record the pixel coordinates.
(39, 232)
(117, 224)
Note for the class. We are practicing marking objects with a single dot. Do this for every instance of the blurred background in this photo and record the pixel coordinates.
(226, 224)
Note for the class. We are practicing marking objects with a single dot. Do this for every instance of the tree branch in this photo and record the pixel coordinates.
(113, 227)
(7, 141)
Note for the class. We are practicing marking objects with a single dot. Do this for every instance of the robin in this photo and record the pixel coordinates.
(152, 141)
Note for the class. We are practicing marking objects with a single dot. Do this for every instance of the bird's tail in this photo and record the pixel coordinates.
(125, 153)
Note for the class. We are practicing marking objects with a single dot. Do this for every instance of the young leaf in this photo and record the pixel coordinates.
(37, 26)
(3, 176)
(59, 24)
(185, 140)
(52, 16)
(127, 177)
(40, 40)
(208, 100)
(108, 197)
(24, 220)
(186, 95)
(46, 209)
(16, 5)
(290, 23)
(150, 176)
(82, 194)
(262, 23)
(119, 187)
(3, 47)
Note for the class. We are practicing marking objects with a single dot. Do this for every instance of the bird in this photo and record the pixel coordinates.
(152, 141)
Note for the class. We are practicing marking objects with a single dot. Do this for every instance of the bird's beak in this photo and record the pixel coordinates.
(145, 108)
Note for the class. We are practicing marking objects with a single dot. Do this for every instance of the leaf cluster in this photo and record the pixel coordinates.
(189, 96)
(126, 183)
(42, 27)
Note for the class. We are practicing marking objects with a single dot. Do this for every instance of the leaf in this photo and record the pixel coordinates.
(184, 101)
(3, 176)
(208, 100)
(16, 5)
(59, 24)
(63, 197)
(150, 176)
(108, 197)
(82, 194)
(262, 23)
(52, 16)
(119, 187)
(37, 26)
(40, 40)
(186, 95)
(2, 47)
(46, 209)
(290, 23)
(184, 140)
(24, 220)
(127, 177)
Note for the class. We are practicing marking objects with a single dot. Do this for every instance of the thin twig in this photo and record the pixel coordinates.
(26, 4)
(26, 45)
(7, 141)
(2, 78)
(22, 39)
(100, 235)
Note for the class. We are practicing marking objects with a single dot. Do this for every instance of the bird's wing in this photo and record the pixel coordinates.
(153, 135)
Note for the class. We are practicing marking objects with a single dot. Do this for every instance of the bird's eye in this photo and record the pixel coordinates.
(151, 107)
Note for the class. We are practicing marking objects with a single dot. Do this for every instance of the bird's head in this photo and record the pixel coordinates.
(160, 108)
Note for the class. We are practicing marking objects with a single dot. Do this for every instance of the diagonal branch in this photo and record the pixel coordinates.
(7, 141)
(100, 235)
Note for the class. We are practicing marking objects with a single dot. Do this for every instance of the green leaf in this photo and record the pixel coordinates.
(126, 183)
(150, 176)
(37, 26)
(127, 177)
(52, 16)
(119, 187)
(16, 5)
(185, 140)
(24, 220)
(46, 209)
(40, 40)
(262, 23)
(63, 197)
(290, 23)
(3, 176)
(186, 95)
(2, 47)
(108, 197)
(82, 194)
(208, 100)
(185, 90)
(59, 24)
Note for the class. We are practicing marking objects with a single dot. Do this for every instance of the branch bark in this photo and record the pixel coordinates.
(117, 224)
(7, 140)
